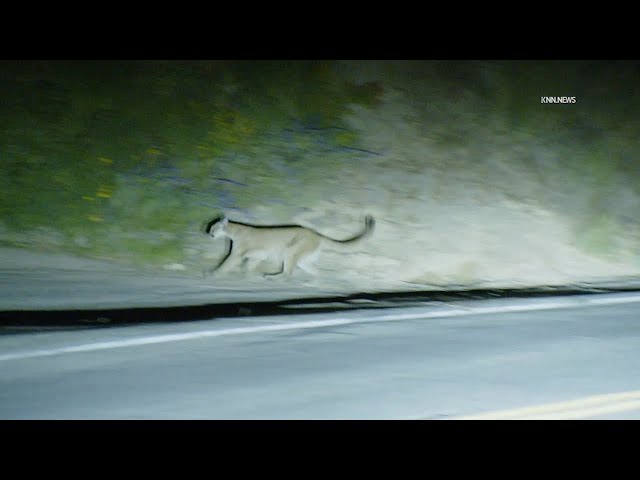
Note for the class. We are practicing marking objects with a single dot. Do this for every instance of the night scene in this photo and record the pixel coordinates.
(319, 239)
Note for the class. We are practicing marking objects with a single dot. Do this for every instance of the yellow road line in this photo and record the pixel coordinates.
(574, 409)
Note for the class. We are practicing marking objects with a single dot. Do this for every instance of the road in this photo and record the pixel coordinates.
(467, 359)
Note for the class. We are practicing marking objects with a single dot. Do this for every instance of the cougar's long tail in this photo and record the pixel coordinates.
(369, 225)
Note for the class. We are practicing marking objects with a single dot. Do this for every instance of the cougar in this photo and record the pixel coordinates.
(290, 246)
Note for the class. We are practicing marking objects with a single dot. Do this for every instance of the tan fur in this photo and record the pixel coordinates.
(289, 246)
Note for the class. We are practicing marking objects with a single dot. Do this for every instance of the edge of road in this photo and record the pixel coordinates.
(114, 338)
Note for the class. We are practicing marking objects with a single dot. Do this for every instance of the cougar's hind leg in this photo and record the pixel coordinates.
(276, 274)
(306, 263)
(288, 265)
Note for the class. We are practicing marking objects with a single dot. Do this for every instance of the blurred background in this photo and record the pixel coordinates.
(470, 177)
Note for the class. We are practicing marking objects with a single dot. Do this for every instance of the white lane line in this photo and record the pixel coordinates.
(174, 337)
(571, 410)
(155, 339)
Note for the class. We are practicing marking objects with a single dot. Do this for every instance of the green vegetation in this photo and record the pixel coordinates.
(126, 159)
(595, 141)
(131, 156)
(487, 118)
(598, 235)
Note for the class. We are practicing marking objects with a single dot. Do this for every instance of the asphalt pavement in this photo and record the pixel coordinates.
(553, 357)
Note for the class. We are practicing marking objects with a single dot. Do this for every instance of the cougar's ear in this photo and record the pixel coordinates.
(224, 221)
(210, 225)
